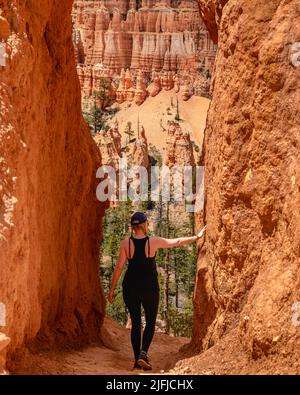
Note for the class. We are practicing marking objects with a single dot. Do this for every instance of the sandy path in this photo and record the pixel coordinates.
(116, 359)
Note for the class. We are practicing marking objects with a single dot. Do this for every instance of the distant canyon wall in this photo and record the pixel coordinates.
(163, 40)
(248, 272)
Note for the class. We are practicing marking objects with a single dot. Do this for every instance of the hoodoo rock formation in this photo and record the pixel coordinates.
(49, 218)
(140, 152)
(100, 81)
(108, 147)
(149, 37)
(248, 278)
(127, 92)
(109, 144)
(179, 148)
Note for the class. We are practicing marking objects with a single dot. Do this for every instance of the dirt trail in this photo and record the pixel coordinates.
(114, 358)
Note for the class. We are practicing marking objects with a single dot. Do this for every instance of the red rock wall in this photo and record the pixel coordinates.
(49, 218)
(249, 276)
(211, 12)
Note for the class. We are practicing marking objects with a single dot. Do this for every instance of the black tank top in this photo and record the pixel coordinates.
(141, 272)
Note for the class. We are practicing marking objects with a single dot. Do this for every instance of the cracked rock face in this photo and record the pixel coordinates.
(249, 275)
(49, 216)
(211, 12)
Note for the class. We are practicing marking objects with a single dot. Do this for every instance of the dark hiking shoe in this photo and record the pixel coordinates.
(136, 366)
(144, 361)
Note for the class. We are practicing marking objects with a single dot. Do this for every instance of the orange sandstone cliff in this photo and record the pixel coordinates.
(49, 218)
(248, 272)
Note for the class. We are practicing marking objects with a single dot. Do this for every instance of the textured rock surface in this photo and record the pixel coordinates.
(248, 278)
(140, 150)
(49, 216)
(4, 342)
(93, 80)
(154, 36)
(211, 12)
(179, 148)
(127, 92)
(109, 144)
(148, 38)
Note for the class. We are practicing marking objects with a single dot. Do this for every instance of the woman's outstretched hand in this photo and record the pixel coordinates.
(111, 297)
(201, 233)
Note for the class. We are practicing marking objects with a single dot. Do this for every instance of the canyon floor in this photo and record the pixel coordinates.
(167, 354)
(115, 357)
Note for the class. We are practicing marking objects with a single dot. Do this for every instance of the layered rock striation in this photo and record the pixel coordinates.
(147, 37)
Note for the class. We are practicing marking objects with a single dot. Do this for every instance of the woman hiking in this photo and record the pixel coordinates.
(140, 284)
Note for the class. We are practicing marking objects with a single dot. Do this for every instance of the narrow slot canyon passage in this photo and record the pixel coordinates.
(57, 249)
(212, 83)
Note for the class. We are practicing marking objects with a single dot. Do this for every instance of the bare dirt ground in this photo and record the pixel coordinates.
(169, 355)
(115, 357)
(158, 110)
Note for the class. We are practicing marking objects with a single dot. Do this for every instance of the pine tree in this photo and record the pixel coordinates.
(177, 116)
(97, 116)
(129, 132)
(115, 229)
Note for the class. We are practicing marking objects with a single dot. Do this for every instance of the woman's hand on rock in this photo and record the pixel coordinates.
(201, 233)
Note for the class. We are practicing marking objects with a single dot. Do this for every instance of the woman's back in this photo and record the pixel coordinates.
(141, 272)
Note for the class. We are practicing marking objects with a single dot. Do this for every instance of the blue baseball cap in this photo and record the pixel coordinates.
(138, 218)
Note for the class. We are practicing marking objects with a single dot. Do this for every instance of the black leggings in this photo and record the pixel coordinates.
(134, 299)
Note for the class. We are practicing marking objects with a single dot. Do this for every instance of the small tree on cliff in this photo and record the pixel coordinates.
(129, 132)
(102, 94)
(98, 115)
(177, 116)
(96, 118)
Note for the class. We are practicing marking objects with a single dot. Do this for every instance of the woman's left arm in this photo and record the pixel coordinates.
(161, 242)
(118, 271)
